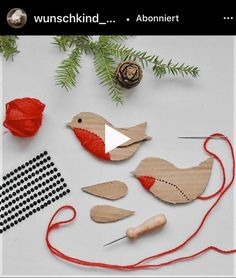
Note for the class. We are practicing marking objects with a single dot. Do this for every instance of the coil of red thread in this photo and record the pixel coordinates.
(24, 116)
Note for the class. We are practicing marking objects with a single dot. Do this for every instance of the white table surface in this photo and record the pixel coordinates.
(173, 107)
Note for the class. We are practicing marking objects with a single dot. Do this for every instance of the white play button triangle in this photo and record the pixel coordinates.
(113, 138)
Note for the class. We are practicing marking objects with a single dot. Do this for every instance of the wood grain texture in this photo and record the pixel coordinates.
(107, 213)
(112, 190)
(152, 224)
(172, 184)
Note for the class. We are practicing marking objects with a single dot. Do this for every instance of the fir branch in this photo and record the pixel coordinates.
(8, 46)
(112, 39)
(105, 68)
(68, 69)
(159, 67)
(123, 52)
(106, 51)
(64, 43)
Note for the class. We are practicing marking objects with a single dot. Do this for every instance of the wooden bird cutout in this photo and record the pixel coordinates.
(171, 184)
(89, 128)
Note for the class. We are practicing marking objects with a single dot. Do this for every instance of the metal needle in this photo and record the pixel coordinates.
(199, 137)
(114, 241)
(154, 223)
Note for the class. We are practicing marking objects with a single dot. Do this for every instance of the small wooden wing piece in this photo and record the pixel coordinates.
(106, 213)
(112, 190)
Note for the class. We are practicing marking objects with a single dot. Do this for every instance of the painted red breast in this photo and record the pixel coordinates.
(92, 142)
(146, 181)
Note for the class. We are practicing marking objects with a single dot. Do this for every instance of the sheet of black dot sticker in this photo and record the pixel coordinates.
(28, 189)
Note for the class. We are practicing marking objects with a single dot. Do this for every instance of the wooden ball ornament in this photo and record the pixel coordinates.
(128, 74)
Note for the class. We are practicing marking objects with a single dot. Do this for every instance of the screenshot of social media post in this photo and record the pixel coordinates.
(117, 143)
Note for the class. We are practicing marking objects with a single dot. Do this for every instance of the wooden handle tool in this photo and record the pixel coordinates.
(154, 223)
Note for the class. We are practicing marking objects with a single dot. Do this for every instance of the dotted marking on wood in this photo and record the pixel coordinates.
(176, 187)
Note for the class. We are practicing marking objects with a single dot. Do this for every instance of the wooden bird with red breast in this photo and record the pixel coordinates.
(89, 128)
(171, 184)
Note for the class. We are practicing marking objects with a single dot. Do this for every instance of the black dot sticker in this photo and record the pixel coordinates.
(24, 193)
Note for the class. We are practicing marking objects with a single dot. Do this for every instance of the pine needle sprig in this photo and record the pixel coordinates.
(159, 67)
(105, 67)
(122, 52)
(8, 46)
(109, 39)
(68, 70)
(65, 43)
(107, 51)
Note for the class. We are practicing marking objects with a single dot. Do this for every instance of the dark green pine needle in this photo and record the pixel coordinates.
(107, 51)
(8, 46)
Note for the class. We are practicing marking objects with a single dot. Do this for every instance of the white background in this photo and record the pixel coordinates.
(173, 107)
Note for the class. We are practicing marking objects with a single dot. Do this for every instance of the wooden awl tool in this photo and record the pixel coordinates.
(154, 223)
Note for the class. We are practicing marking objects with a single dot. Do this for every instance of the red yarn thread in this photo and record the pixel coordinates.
(140, 265)
(92, 142)
(24, 116)
(146, 181)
